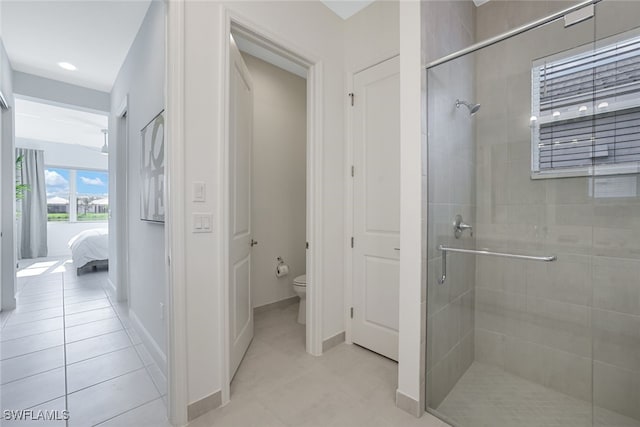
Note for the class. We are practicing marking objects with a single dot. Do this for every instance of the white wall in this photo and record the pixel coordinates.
(278, 203)
(142, 79)
(371, 36)
(67, 156)
(412, 289)
(60, 232)
(57, 92)
(317, 32)
(7, 187)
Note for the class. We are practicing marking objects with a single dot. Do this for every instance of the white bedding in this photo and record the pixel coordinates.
(89, 245)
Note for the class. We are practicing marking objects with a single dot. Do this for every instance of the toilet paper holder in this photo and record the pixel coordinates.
(282, 269)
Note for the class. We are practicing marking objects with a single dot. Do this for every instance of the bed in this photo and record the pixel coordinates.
(90, 250)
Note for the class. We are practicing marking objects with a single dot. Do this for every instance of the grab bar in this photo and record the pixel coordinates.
(446, 249)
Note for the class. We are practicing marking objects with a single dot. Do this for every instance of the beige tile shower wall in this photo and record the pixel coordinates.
(572, 325)
(450, 164)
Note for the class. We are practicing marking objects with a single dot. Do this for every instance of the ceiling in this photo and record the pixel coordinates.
(35, 120)
(346, 8)
(94, 35)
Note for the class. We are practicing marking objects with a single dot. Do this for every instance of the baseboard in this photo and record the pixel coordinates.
(204, 405)
(152, 346)
(333, 341)
(409, 404)
(277, 305)
(112, 286)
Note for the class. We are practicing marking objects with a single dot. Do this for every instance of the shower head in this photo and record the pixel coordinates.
(473, 108)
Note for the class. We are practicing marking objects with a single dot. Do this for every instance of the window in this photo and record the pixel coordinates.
(586, 110)
(77, 195)
(57, 184)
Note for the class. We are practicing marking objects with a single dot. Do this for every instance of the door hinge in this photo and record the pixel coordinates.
(352, 312)
(353, 171)
(307, 245)
(168, 260)
(352, 242)
(352, 96)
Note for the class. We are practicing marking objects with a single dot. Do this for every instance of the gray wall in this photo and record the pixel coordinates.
(447, 27)
(278, 194)
(57, 92)
(571, 325)
(142, 79)
(7, 189)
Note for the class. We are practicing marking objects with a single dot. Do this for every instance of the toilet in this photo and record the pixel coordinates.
(300, 288)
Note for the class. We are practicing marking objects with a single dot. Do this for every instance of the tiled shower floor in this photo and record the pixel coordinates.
(487, 396)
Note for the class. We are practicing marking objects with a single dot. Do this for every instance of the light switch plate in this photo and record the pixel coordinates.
(199, 191)
(202, 222)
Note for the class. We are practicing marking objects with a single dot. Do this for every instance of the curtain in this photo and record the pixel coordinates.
(32, 219)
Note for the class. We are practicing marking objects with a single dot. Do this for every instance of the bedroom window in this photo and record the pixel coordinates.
(77, 195)
(585, 116)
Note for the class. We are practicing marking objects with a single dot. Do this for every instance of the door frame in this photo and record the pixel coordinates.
(121, 217)
(349, 193)
(314, 222)
(175, 220)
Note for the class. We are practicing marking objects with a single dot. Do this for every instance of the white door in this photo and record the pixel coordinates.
(376, 208)
(240, 140)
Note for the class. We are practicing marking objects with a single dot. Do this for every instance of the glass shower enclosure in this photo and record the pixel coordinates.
(533, 212)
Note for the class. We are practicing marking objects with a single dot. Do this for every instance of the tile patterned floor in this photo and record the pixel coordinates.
(487, 396)
(278, 384)
(68, 345)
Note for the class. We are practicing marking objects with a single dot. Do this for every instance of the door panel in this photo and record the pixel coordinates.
(376, 208)
(241, 278)
(240, 140)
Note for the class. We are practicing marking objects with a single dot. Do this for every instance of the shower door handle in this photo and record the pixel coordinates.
(459, 226)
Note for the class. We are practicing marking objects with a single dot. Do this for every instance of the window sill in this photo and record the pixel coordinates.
(590, 171)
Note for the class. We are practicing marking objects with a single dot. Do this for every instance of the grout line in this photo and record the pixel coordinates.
(35, 311)
(5, 342)
(46, 401)
(128, 410)
(32, 375)
(93, 336)
(90, 321)
(108, 379)
(54, 317)
(99, 355)
(30, 352)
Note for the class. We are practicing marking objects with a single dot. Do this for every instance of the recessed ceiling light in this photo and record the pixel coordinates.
(556, 114)
(604, 104)
(67, 66)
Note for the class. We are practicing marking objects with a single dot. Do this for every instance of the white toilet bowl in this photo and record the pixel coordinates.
(300, 288)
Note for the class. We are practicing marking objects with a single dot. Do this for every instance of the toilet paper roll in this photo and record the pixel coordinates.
(282, 270)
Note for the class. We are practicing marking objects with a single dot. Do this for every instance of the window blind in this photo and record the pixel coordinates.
(586, 109)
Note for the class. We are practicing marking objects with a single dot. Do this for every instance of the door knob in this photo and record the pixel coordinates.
(253, 243)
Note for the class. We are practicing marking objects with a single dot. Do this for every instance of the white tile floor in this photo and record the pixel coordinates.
(67, 346)
(278, 384)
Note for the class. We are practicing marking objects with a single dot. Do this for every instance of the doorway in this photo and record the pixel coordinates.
(376, 208)
(241, 242)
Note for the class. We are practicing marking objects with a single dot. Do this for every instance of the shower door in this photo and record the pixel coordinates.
(534, 318)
